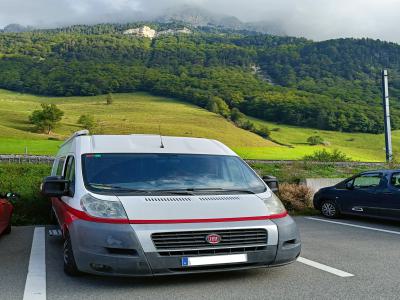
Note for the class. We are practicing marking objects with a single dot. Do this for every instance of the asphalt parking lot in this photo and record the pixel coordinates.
(344, 259)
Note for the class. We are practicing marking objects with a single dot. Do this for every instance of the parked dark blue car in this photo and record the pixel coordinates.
(372, 193)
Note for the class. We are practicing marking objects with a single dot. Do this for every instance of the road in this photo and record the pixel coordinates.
(368, 249)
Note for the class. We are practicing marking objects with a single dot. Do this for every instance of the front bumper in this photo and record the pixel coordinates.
(127, 250)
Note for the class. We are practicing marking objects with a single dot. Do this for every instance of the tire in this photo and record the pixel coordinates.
(329, 209)
(70, 267)
(8, 229)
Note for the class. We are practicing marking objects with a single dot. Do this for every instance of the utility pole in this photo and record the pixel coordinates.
(388, 129)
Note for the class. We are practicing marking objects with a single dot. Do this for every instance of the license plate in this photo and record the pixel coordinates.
(213, 260)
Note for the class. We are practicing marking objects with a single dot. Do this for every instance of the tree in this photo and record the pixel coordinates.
(223, 108)
(109, 99)
(47, 118)
(87, 122)
(212, 106)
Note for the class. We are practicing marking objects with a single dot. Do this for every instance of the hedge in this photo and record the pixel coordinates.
(25, 179)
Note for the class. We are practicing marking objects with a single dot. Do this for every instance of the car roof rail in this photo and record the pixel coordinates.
(76, 134)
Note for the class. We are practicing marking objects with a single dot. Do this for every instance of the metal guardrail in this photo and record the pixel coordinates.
(14, 158)
(30, 159)
(337, 163)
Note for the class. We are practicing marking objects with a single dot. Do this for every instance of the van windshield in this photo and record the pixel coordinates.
(151, 173)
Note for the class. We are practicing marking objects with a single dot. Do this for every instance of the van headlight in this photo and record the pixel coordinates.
(103, 208)
(274, 205)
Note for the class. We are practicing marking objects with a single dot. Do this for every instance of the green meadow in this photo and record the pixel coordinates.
(145, 113)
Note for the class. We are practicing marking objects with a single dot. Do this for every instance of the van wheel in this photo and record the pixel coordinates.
(8, 229)
(330, 209)
(70, 267)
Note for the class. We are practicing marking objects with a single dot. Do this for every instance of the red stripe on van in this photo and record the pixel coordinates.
(84, 216)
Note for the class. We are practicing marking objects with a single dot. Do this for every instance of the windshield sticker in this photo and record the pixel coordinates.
(93, 155)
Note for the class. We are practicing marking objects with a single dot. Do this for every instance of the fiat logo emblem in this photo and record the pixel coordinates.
(213, 238)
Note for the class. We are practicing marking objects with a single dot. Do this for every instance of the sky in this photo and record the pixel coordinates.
(314, 19)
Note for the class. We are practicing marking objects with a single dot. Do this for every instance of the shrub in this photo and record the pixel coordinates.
(325, 156)
(295, 197)
(245, 124)
(315, 140)
(263, 131)
(109, 99)
(25, 179)
(236, 115)
(87, 122)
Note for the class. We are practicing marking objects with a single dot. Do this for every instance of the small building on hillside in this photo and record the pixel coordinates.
(144, 31)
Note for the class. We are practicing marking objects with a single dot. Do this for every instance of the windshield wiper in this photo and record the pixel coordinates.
(174, 192)
(221, 190)
(116, 187)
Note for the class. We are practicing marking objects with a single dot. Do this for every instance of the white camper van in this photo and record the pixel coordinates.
(137, 205)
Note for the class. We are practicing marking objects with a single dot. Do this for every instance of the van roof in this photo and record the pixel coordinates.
(142, 143)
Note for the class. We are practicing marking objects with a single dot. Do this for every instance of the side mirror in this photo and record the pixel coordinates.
(55, 186)
(349, 185)
(272, 183)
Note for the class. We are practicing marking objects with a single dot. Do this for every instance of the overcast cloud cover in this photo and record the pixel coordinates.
(315, 19)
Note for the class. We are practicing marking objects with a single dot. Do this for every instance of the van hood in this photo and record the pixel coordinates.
(165, 208)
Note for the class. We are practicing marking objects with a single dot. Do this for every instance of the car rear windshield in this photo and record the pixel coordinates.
(136, 173)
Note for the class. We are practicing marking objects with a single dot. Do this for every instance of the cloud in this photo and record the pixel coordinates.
(315, 19)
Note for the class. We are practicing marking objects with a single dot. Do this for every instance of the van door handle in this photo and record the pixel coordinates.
(388, 193)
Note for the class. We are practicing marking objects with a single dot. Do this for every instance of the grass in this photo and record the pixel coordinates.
(358, 146)
(130, 113)
(144, 113)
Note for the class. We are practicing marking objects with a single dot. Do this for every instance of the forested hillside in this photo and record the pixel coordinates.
(327, 85)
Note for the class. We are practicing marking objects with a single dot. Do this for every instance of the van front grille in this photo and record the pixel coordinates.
(194, 240)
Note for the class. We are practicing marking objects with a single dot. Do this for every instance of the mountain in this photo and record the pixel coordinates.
(189, 15)
(197, 16)
(333, 85)
(15, 28)
(200, 17)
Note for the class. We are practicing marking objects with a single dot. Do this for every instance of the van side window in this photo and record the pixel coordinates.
(395, 180)
(60, 166)
(69, 173)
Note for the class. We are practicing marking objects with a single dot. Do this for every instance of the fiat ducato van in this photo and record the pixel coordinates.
(140, 205)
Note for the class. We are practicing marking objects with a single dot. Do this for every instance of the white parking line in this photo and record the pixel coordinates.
(325, 268)
(35, 286)
(353, 225)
